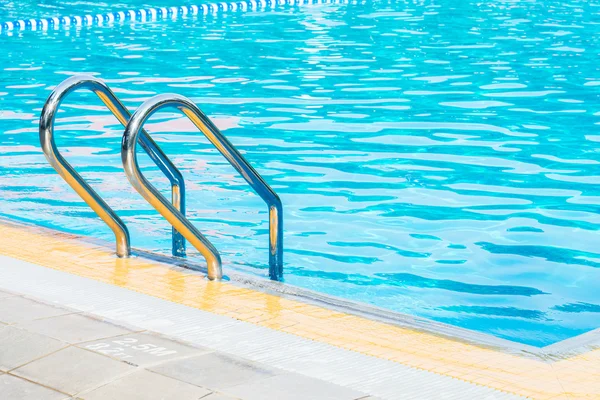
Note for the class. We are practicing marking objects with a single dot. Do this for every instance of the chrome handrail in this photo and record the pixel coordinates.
(83, 189)
(175, 218)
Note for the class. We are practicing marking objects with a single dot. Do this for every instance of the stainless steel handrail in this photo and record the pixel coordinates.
(66, 171)
(171, 214)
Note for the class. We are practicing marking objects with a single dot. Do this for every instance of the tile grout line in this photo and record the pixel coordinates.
(37, 383)
(116, 378)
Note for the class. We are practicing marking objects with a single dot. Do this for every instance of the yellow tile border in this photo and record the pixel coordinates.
(577, 377)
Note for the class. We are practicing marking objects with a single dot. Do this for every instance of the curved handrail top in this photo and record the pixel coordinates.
(212, 133)
(81, 187)
(96, 85)
(67, 172)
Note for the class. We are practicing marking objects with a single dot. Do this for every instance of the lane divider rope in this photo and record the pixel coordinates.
(157, 13)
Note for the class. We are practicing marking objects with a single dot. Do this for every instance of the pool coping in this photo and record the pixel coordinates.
(570, 347)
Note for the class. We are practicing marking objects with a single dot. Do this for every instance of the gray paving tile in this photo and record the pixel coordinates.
(143, 349)
(19, 346)
(292, 387)
(74, 328)
(212, 370)
(73, 370)
(14, 388)
(146, 385)
(219, 396)
(19, 310)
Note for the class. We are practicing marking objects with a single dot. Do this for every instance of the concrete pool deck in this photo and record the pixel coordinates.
(57, 353)
(287, 340)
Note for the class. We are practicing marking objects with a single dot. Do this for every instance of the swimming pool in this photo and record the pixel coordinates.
(433, 158)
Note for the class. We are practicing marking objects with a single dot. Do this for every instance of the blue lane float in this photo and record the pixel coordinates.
(155, 14)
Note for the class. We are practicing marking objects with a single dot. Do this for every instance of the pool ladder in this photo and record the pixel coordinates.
(173, 211)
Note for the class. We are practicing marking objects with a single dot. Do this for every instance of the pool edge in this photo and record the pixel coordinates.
(416, 342)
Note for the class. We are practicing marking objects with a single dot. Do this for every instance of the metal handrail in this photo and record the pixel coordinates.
(83, 189)
(171, 214)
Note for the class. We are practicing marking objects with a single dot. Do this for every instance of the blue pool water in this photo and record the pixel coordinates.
(438, 158)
